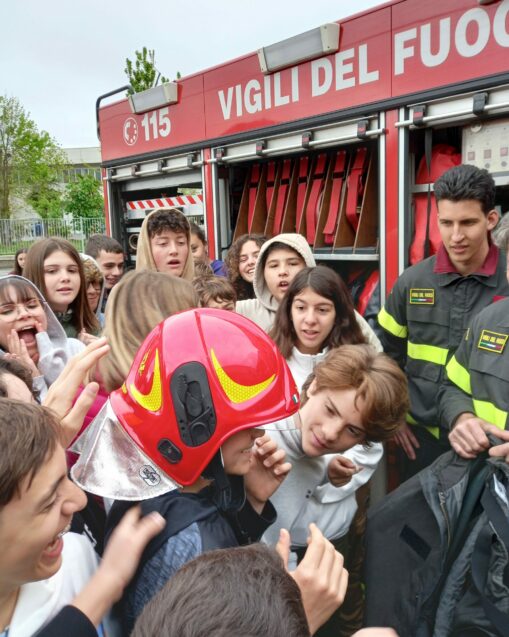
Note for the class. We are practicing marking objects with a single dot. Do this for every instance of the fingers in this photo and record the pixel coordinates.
(76, 370)
(39, 327)
(143, 529)
(468, 437)
(407, 441)
(500, 451)
(339, 577)
(282, 470)
(73, 421)
(13, 342)
(271, 455)
(316, 547)
(283, 546)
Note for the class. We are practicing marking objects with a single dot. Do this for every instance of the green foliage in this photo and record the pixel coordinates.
(47, 201)
(30, 161)
(83, 198)
(143, 74)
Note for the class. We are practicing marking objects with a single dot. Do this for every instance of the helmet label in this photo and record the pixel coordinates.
(149, 475)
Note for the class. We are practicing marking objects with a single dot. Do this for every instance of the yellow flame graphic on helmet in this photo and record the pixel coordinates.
(153, 400)
(236, 392)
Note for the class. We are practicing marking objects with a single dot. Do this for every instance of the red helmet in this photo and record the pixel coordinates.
(199, 377)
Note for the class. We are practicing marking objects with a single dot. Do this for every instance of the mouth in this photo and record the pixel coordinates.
(317, 442)
(54, 548)
(311, 334)
(27, 334)
(173, 264)
(283, 285)
(64, 290)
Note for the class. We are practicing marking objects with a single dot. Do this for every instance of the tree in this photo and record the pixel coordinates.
(143, 75)
(30, 161)
(83, 198)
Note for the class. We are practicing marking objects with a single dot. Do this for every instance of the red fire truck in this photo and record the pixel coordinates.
(342, 147)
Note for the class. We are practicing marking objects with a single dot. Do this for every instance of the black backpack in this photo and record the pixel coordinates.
(437, 554)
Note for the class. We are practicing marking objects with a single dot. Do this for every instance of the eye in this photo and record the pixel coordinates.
(330, 411)
(31, 305)
(353, 431)
(7, 309)
(51, 504)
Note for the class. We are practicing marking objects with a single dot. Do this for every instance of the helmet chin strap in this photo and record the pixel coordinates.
(228, 491)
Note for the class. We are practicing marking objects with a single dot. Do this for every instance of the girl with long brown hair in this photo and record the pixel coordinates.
(55, 267)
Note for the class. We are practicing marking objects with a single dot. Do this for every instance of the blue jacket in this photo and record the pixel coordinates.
(194, 524)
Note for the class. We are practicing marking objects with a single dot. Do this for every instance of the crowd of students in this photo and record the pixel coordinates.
(200, 407)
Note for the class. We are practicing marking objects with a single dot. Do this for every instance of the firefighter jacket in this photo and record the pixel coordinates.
(425, 318)
(478, 373)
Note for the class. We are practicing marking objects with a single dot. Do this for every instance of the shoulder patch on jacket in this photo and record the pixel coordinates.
(422, 296)
(492, 341)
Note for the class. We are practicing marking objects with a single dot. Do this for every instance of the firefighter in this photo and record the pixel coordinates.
(432, 303)
(474, 399)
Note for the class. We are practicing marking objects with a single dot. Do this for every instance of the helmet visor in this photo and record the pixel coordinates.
(111, 465)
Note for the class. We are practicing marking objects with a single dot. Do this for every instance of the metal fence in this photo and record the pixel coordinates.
(21, 233)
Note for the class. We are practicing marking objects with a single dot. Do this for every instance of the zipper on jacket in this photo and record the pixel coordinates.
(441, 500)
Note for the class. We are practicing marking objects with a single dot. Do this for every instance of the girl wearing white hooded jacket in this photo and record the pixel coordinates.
(30, 331)
(280, 259)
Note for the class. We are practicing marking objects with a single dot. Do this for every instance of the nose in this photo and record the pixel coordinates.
(64, 275)
(309, 316)
(117, 270)
(332, 430)
(457, 233)
(22, 311)
(172, 247)
(74, 499)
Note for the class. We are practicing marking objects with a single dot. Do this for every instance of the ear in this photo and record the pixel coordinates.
(492, 219)
(312, 388)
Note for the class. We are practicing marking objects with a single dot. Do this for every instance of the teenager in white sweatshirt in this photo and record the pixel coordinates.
(354, 400)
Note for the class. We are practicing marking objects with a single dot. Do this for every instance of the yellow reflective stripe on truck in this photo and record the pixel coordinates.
(459, 375)
(489, 412)
(429, 353)
(391, 325)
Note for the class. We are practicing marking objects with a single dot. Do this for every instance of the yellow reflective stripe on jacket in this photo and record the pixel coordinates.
(434, 431)
(459, 375)
(391, 325)
(487, 411)
(429, 353)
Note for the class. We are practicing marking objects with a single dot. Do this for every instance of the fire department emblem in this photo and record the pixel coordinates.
(130, 131)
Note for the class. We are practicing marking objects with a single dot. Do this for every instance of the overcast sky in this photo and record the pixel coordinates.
(58, 56)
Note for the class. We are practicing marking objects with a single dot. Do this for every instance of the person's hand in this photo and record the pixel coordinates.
(405, 439)
(320, 576)
(118, 565)
(268, 469)
(127, 542)
(18, 351)
(341, 470)
(502, 450)
(86, 338)
(468, 437)
(62, 392)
